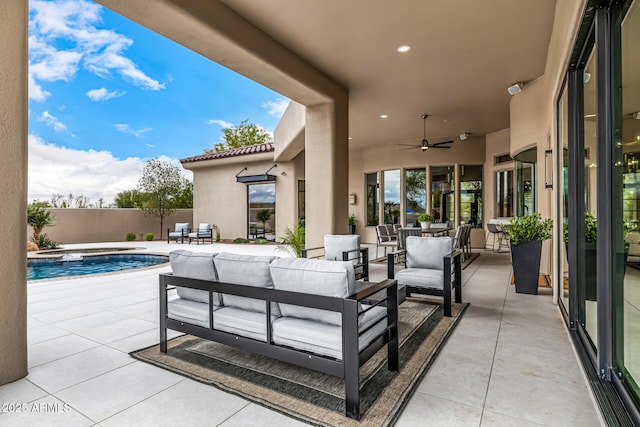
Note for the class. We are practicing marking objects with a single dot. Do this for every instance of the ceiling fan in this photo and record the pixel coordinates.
(425, 144)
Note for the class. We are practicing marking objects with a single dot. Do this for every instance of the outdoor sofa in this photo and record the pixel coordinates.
(302, 311)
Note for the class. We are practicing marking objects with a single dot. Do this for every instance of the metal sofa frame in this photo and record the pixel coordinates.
(346, 368)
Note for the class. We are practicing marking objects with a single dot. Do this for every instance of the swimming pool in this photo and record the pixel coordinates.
(77, 265)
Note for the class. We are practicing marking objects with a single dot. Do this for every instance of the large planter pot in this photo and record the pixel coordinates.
(352, 229)
(525, 257)
(425, 225)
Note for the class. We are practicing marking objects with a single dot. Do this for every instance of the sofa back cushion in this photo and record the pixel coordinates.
(313, 276)
(249, 270)
(195, 266)
(204, 228)
(428, 252)
(335, 245)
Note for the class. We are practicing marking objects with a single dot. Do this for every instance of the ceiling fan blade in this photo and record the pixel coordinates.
(410, 145)
(435, 144)
(409, 148)
(438, 146)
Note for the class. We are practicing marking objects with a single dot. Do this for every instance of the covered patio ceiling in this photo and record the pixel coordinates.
(464, 54)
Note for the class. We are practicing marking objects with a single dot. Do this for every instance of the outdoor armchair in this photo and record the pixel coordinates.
(344, 248)
(203, 232)
(385, 239)
(432, 267)
(181, 231)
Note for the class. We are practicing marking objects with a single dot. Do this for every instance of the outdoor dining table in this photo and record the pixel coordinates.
(438, 231)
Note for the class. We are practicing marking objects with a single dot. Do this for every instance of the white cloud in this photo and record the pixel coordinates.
(276, 107)
(74, 23)
(95, 174)
(103, 94)
(36, 92)
(125, 128)
(221, 123)
(52, 120)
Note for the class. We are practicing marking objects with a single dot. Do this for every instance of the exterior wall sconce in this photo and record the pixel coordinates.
(515, 88)
(352, 199)
(548, 168)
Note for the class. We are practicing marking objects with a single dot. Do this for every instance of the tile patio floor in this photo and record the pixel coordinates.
(508, 363)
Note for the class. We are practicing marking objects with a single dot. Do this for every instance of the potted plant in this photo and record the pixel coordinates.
(527, 234)
(425, 221)
(352, 223)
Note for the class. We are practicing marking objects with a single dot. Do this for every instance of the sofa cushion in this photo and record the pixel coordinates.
(420, 277)
(250, 324)
(323, 338)
(188, 311)
(195, 266)
(313, 276)
(249, 270)
(427, 252)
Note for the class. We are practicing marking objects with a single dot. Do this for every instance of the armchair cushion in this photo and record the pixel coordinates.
(249, 270)
(196, 266)
(313, 276)
(427, 252)
(420, 278)
(335, 245)
(181, 227)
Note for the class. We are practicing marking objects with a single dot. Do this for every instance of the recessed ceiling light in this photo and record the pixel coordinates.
(404, 48)
(515, 88)
(350, 138)
(383, 116)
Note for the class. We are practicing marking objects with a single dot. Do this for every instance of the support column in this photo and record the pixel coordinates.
(326, 170)
(13, 175)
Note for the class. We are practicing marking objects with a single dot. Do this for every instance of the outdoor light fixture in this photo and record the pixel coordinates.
(516, 88)
(463, 136)
(383, 116)
(586, 77)
(404, 48)
(636, 115)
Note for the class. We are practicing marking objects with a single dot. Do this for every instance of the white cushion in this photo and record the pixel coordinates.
(313, 276)
(323, 338)
(335, 245)
(184, 310)
(194, 265)
(181, 226)
(428, 252)
(204, 228)
(420, 277)
(250, 324)
(249, 270)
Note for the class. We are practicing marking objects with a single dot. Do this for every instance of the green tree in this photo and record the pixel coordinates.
(184, 199)
(163, 183)
(130, 199)
(239, 136)
(38, 217)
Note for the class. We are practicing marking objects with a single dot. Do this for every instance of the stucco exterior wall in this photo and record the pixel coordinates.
(13, 175)
(219, 199)
(108, 225)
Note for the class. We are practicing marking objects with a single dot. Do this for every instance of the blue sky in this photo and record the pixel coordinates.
(105, 94)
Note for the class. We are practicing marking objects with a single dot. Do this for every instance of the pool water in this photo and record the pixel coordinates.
(77, 266)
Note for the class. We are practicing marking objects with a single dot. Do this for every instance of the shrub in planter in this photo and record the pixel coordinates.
(293, 240)
(130, 237)
(527, 234)
(148, 237)
(352, 223)
(425, 221)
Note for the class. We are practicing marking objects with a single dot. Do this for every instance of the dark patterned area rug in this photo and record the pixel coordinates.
(308, 395)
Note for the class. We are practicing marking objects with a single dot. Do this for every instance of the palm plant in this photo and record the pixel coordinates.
(263, 216)
(293, 241)
(38, 217)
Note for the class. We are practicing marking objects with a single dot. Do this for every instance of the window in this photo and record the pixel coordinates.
(504, 158)
(261, 201)
(442, 193)
(526, 188)
(471, 195)
(415, 184)
(504, 193)
(392, 196)
(301, 202)
(373, 197)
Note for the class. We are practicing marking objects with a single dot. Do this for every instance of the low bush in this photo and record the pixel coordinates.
(44, 242)
(240, 240)
(130, 237)
(261, 241)
(148, 237)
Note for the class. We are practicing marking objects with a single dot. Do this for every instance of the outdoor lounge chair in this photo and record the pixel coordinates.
(432, 268)
(203, 232)
(181, 231)
(344, 248)
(385, 239)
